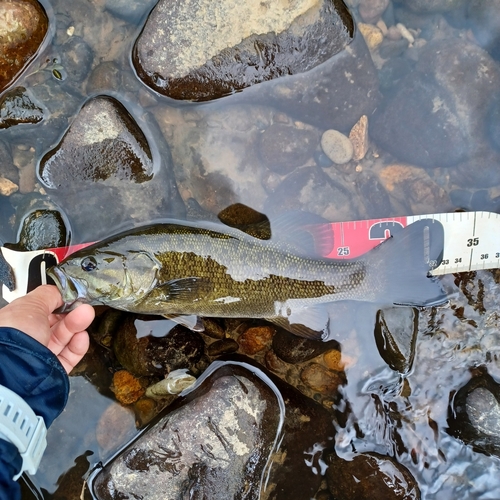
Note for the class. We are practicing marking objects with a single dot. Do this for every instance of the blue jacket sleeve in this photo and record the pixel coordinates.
(33, 372)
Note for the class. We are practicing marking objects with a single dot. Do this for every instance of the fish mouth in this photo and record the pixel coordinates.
(73, 291)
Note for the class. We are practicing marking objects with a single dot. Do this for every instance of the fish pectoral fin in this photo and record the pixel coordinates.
(185, 289)
(309, 322)
(191, 321)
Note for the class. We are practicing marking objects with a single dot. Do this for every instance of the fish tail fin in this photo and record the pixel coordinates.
(402, 265)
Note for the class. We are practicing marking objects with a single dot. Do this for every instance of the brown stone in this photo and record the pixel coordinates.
(256, 339)
(23, 26)
(359, 138)
(414, 186)
(127, 388)
(321, 379)
(333, 360)
(7, 187)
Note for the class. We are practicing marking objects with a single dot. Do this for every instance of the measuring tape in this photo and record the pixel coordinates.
(471, 241)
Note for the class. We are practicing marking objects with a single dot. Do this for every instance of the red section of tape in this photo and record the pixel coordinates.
(352, 239)
(63, 252)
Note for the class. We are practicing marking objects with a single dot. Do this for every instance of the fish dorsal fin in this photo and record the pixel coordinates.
(309, 234)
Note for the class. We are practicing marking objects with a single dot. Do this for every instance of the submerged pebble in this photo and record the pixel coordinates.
(359, 138)
(175, 382)
(127, 388)
(7, 187)
(337, 146)
(321, 379)
(256, 339)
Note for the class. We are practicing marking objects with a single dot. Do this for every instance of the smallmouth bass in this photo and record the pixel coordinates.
(183, 269)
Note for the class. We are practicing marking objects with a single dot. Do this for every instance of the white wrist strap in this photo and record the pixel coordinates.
(20, 426)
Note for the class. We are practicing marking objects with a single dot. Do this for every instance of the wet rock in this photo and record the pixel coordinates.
(474, 413)
(247, 220)
(369, 476)
(444, 121)
(42, 229)
(216, 442)
(371, 10)
(127, 388)
(224, 346)
(484, 19)
(414, 188)
(256, 339)
(129, 10)
(293, 349)
(337, 146)
(102, 142)
(155, 355)
(40, 223)
(17, 106)
(321, 379)
(233, 48)
(23, 29)
(284, 148)
(76, 59)
(7, 187)
(433, 6)
(105, 160)
(311, 190)
(396, 331)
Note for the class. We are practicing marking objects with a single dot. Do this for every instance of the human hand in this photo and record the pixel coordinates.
(64, 334)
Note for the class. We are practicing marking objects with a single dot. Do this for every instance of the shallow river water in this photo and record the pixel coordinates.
(434, 146)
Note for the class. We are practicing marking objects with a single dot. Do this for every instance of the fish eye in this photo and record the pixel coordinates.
(89, 264)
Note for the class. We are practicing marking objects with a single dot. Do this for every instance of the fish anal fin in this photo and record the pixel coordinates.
(191, 321)
(296, 328)
(311, 322)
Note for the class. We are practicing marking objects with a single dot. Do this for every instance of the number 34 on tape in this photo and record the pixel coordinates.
(471, 241)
